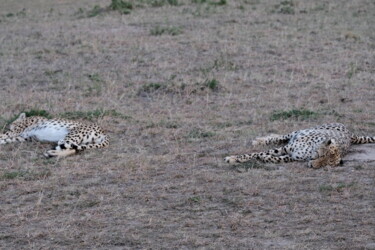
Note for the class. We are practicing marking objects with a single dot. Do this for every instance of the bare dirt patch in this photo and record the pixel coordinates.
(178, 85)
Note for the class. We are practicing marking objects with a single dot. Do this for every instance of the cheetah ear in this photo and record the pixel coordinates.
(22, 116)
(329, 142)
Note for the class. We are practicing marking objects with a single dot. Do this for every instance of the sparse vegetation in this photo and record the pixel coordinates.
(197, 133)
(352, 70)
(95, 11)
(212, 84)
(195, 199)
(298, 114)
(26, 175)
(38, 112)
(160, 3)
(158, 31)
(121, 6)
(95, 77)
(12, 175)
(339, 187)
(218, 3)
(91, 115)
(152, 87)
(285, 7)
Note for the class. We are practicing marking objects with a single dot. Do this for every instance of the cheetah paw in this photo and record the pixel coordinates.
(230, 159)
(50, 153)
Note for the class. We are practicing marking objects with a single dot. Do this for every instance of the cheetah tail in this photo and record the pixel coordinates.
(362, 139)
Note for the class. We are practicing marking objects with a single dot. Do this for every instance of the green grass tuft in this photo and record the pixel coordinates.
(38, 112)
(212, 84)
(285, 7)
(12, 175)
(121, 6)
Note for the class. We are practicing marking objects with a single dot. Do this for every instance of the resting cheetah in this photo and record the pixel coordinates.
(320, 146)
(70, 136)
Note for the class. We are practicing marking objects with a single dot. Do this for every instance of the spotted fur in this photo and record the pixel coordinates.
(70, 136)
(320, 146)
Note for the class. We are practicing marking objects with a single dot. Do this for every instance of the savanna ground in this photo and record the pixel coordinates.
(178, 85)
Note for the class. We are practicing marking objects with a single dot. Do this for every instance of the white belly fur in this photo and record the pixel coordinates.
(48, 134)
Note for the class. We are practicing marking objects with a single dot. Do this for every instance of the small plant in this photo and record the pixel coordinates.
(352, 70)
(219, 3)
(285, 7)
(158, 31)
(212, 84)
(96, 10)
(38, 112)
(160, 3)
(169, 124)
(12, 175)
(325, 188)
(121, 6)
(219, 63)
(151, 87)
(196, 133)
(51, 73)
(195, 199)
(95, 77)
(302, 114)
(116, 5)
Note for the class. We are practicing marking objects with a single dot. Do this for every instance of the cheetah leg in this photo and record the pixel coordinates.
(67, 146)
(277, 151)
(73, 143)
(60, 153)
(262, 157)
(271, 139)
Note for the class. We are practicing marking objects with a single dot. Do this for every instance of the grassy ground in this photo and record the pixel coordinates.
(178, 85)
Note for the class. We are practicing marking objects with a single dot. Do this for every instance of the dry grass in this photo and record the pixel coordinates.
(178, 103)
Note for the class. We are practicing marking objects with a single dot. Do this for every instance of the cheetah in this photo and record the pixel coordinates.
(320, 146)
(71, 136)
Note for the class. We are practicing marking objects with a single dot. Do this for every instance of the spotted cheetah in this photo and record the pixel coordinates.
(321, 146)
(70, 136)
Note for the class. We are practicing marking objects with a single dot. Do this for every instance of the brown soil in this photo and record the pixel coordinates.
(178, 88)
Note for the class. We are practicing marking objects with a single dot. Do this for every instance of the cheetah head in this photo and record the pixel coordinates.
(329, 155)
(22, 122)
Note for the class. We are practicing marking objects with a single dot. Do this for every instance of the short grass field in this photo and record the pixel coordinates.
(178, 85)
